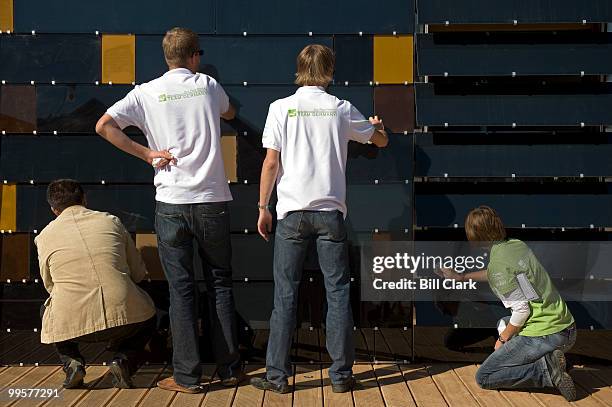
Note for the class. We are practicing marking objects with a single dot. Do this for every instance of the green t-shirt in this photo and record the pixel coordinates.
(512, 261)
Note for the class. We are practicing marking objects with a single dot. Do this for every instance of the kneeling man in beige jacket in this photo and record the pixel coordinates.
(90, 266)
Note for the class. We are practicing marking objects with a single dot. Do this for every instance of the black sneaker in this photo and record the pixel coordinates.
(233, 381)
(121, 374)
(75, 372)
(344, 387)
(560, 378)
(264, 384)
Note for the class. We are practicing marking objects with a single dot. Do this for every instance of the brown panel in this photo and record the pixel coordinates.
(15, 264)
(147, 245)
(512, 27)
(18, 108)
(229, 151)
(395, 106)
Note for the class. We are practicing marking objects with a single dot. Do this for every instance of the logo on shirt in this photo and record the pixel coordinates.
(316, 113)
(167, 97)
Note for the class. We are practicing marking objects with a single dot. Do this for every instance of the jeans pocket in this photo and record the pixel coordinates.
(171, 229)
(216, 227)
(214, 210)
(289, 226)
(334, 225)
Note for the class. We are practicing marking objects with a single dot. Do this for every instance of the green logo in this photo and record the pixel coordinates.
(316, 113)
(167, 97)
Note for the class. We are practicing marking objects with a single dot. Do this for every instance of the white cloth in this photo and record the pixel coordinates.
(311, 129)
(181, 112)
(519, 305)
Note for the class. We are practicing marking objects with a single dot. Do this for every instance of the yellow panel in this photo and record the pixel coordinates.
(146, 243)
(393, 59)
(118, 58)
(6, 15)
(229, 150)
(8, 208)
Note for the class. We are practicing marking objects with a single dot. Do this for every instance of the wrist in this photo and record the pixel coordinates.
(265, 207)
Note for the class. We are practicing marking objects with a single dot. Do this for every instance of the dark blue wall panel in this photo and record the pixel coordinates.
(491, 54)
(386, 207)
(554, 210)
(88, 159)
(317, 16)
(354, 59)
(117, 16)
(232, 60)
(502, 11)
(43, 58)
(75, 109)
(503, 110)
(134, 205)
(436, 160)
(367, 163)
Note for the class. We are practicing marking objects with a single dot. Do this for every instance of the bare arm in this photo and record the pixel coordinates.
(111, 132)
(379, 138)
(269, 172)
(230, 114)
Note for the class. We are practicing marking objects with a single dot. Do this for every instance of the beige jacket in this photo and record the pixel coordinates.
(89, 265)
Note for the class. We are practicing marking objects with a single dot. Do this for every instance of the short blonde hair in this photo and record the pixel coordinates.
(483, 224)
(179, 45)
(315, 66)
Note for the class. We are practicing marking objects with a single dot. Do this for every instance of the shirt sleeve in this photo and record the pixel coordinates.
(222, 98)
(43, 264)
(273, 131)
(128, 111)
(359, 128)
(520, 307)
(138, 270)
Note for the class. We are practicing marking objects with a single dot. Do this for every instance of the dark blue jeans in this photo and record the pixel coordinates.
(521, 363)
(177, 226)
(290, 246)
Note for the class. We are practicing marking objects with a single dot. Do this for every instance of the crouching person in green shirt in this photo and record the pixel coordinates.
(529, 352)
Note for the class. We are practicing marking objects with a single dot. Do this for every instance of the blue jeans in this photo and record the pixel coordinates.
(177, 226)
(290, 246)
(520, 362)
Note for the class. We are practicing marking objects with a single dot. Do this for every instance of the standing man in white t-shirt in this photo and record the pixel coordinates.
(179, 114)
(307, 137)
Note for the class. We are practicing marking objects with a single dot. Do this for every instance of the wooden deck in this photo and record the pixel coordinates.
(383, 384)
(385, 373)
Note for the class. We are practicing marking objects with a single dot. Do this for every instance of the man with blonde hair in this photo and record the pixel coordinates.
(529, 352)
(306, 137)
(179, 114)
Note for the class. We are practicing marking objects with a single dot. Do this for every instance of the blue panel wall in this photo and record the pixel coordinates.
(524, 11)
(46, 58)
(113, 16)
(232, 60)
(317, 16)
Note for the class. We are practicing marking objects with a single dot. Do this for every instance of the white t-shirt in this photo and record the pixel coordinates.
(181, 112)
(311, 129)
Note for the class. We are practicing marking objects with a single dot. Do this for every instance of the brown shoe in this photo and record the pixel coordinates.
(169, 384)
(233, 381)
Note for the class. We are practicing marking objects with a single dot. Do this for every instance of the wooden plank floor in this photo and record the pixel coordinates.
(379, 385)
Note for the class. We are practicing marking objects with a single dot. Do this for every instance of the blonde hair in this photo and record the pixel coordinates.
(483, 224)
(315, 66)
(179, 45)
